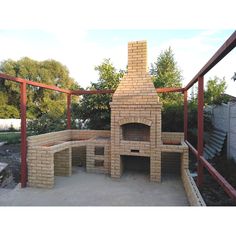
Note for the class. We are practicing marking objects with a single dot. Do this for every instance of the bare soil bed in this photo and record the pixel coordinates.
(211, 191)
(10, 154)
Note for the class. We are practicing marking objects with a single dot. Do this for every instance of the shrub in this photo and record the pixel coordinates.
(47, 123)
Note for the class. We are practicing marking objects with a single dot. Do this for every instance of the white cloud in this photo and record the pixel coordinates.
(69, 20)
(82, 56)
(70, 46)
(193, 53)
(128, 14)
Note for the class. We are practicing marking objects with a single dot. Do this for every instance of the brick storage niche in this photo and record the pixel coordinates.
(134, 141)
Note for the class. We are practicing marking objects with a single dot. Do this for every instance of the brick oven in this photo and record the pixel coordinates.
(134, 142)
(136, 116)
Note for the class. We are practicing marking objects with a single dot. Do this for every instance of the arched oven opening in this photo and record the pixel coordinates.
(135, 132)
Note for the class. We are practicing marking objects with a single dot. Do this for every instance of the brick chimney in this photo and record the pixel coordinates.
(136, 116)
(136, 87)
(137, 57)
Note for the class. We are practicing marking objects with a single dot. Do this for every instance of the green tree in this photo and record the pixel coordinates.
(109, 78)
(39, 101)
(95, 109)
(5, 109)
(214, 90)
(234, 77)
(165, 73)
(46, 123)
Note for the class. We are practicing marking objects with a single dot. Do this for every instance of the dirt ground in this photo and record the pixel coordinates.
(211, 191)
(10, 154)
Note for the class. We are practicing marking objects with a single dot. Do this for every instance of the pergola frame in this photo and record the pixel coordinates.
(229, 45)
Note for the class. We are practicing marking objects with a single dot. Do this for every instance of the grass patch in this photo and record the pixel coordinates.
(11, 137)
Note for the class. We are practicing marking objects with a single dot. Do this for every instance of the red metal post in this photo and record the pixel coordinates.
(23, 100)
(185, 114)
(200, 131)
(68, 111)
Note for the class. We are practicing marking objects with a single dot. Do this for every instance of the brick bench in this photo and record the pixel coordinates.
(45, 162)
(50, 155)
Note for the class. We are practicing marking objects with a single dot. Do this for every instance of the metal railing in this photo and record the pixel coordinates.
(229, 45)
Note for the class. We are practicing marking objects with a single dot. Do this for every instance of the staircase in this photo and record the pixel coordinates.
(215, 144)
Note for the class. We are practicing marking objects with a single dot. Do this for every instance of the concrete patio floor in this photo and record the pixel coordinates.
(87, 189)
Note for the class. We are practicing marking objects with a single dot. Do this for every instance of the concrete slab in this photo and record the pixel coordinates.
(87, 189)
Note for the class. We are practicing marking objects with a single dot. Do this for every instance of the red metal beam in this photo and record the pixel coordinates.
(169, 90)
(82, 92)
(228, 188)
(106, 91)
(77, 92)
(200, 130)
(36, 84)
(50, 87)
(229, 45)
(23, 100)
(194, 151)
(68, 111)
(185, 114)
(8, 77)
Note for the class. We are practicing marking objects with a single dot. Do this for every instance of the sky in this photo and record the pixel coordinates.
(81, 34)
(82, 50)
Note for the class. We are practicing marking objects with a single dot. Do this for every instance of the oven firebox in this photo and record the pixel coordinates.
(135, 132)
(134, 141)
